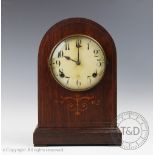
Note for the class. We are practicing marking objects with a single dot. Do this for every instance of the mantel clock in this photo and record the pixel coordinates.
(77, 86)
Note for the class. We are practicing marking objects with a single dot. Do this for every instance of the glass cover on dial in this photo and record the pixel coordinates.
(77, 62)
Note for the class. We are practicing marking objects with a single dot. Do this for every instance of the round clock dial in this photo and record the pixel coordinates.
(77, 62)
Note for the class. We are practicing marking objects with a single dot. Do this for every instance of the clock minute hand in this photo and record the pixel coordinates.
(78, 46)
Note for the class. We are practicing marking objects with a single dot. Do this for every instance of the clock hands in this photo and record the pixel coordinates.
(78, 45)
(78, 42)
(68, 58)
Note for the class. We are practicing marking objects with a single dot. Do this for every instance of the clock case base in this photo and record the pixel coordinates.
(77, 136)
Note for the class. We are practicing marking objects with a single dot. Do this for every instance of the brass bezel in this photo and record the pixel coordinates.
(51, 54)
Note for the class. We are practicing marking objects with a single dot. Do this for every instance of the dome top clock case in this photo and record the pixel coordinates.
(77, 102)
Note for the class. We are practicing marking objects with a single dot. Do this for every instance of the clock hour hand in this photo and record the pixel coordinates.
(68, 58)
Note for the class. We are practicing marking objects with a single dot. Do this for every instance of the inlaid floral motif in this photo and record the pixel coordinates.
(78, 104)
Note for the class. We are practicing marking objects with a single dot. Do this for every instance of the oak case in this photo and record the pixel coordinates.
(72, 117)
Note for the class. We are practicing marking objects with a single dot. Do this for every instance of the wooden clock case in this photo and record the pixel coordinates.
(76, 118)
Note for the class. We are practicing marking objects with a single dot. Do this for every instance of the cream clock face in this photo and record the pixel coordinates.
(77, 62)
